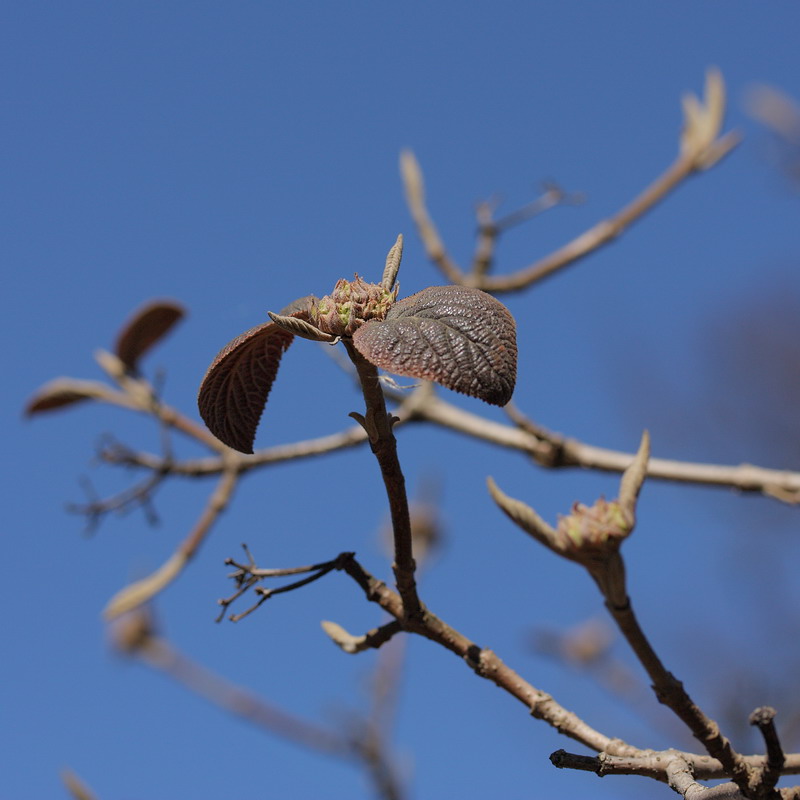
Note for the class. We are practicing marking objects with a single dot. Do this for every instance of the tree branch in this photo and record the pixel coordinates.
(485, 664)
(378, 424)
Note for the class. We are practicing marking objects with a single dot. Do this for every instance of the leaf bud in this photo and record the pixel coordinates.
(350, 305)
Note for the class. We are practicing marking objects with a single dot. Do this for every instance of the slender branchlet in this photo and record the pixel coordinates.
(378, 424)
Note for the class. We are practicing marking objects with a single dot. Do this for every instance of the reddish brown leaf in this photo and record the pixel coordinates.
(60, 393)
(146, 327)
(460, 337)
(234, 391)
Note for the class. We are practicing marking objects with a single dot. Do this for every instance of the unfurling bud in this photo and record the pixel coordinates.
(590, 535)
(594, 529)
(350, 305)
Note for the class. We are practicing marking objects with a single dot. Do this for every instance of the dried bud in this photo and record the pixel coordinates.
(594, 530)
(350, 305)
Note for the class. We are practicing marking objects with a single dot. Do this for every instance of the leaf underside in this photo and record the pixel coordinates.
(460, 337)
(235, 388)
(57, 394)
(148, 325)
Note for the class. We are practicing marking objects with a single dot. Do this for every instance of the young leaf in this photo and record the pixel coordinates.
(147, 326)
(63, 392)
(460, 337)
(235, 388)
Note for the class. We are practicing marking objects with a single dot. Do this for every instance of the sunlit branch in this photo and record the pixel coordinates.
(702, 146)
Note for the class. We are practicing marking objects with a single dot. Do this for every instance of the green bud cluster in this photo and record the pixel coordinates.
(350, 305)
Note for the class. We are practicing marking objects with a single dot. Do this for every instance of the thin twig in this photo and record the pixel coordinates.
(203, 467)
(141, 495)
(415, 197)
(489, 229)
(600, 234)
(265, 594)
(765, 779)
(247, 576)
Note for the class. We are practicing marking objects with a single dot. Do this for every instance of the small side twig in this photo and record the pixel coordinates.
(247, 576)
(372, 639)
(765, 779)
(489, 228)
(139, 495)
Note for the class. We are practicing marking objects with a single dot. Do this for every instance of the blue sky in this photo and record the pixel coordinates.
(234, 156)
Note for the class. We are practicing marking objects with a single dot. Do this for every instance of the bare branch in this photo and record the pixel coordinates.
(701, 147)
(655, 764)
(548, 449)
(485, 664)
(489, 229)
(670, 691)
(554, 451)
(415, 197)
(765, 779)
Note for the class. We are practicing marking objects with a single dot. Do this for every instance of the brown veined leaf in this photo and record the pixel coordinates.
(460, 337)
(63, 392)
(146, 327)
(235, 388)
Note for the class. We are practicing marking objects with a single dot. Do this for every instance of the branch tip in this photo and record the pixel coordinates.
(634, 476)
